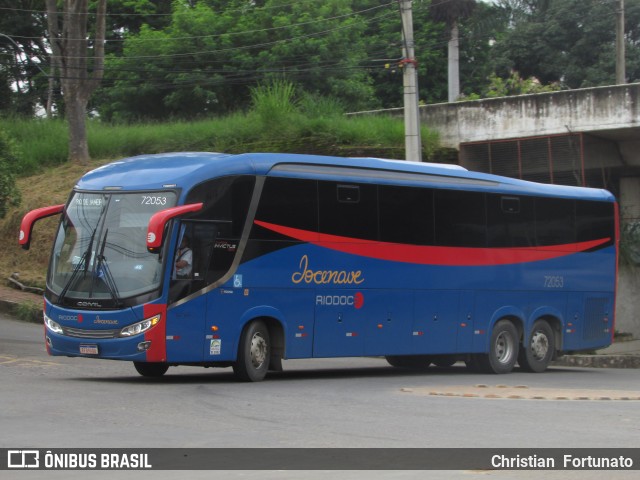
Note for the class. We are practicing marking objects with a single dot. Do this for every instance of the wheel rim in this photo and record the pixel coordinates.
(258, 350)
(504, 348)
(539, 345)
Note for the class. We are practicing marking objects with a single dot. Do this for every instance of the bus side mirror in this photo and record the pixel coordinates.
(26, 226)
(159, 220)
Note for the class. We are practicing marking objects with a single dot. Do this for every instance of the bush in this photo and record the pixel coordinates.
(274, 104)
(9, 194)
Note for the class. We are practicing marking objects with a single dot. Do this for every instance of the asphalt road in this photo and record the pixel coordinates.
(58, 402)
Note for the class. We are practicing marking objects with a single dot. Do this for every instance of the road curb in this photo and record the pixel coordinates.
(599, 361)
(12, 308)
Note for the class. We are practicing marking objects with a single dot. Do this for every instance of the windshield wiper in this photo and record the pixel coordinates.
(84, 261)
(106, 271)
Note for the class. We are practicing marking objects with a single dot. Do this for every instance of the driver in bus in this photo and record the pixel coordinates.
(184, 259)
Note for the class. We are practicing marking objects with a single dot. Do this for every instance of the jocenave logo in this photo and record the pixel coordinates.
(104, 321)
(325, 277)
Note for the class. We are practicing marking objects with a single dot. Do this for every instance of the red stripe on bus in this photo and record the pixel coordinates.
(433, 255)
(157, 334)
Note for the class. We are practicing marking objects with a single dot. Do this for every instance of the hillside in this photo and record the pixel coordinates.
(48, 188)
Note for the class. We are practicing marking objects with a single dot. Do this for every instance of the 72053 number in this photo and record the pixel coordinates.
(153, 200)
(553, 281)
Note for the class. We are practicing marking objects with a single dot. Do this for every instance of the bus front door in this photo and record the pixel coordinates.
(185, 333)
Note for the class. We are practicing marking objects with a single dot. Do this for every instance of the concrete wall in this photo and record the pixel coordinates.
(628, 301)
(586, 110)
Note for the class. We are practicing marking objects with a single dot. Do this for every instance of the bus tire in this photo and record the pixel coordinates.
(409, 361)
(536, 355)
(503, 349)
(147, 369)
(254, 353)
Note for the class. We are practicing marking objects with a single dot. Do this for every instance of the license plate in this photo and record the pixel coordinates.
(89, 349)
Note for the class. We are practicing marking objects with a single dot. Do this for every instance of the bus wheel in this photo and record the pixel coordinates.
(537, 354)
(151, 369)
(409, 361)
(253, 353)
(503, 349)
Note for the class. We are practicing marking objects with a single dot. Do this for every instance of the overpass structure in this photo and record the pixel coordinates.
(588, 137)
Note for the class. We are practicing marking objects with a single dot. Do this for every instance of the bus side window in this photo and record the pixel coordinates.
(406, 215)
(555, 221)
(220, 223)
(594, 220)
(460, 219)
(509, 221)
(287, 202)
(348, 210)
(348, 193)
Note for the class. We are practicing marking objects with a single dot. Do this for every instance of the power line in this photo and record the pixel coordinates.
(239, 10)
(244, 32)
(248, 47)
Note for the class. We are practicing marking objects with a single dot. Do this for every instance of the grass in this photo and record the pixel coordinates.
(41, 142)
(28, 312)
(278, 121)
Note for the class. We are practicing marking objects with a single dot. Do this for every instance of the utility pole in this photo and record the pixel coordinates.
(620, 50)
(412, 142)
(453, 63)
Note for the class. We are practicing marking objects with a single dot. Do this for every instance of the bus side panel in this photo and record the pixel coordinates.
(589, 322)
(436, 322)
(362, 322)
(340, 323)
(231, 309)
(465, 322)
(388, 319)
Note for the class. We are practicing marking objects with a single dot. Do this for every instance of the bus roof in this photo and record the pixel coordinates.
(186, 169)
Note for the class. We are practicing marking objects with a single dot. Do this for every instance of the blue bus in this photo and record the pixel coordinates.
(245, 260)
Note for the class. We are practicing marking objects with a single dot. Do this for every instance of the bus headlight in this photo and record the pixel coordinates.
(140, 327)
(53, 326)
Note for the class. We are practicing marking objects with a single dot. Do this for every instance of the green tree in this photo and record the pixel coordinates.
(80, 73)
(23, 56)
(127, 17)
(27, 79)
(567, 41)
(479, 33)
(212, 52)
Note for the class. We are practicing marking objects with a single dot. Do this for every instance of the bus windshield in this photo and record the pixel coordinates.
(100, 251)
